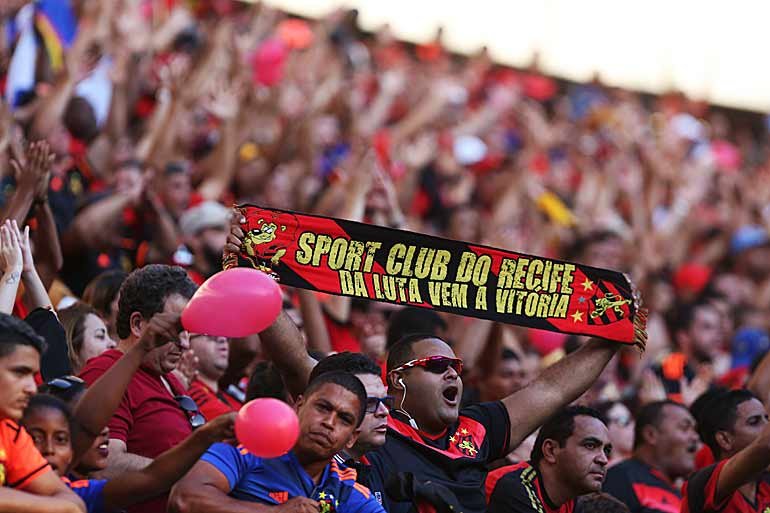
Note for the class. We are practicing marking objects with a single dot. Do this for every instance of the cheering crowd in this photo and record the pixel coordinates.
(128, 129)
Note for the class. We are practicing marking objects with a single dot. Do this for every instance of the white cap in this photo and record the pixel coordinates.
(206, 215)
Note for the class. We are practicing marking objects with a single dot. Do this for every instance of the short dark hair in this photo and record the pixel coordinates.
(685, 314)
(15, 332)
(45, 401)
(146, 290)
(412, 320)
(347, 381)
(354, 363)
(719, 413)
(560, 427)
(265, 381)
(102, 290)
(402, 351)
(651, 415)
(600, 503)
(80, 119)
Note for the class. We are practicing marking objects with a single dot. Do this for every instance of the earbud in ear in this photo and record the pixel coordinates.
(401, 382)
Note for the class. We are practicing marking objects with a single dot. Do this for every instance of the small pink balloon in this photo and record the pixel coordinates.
(268, 62)
(267, 427)
(235, 303)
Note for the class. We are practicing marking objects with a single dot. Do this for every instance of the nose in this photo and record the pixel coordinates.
(29, 386)
(105, 432)
(602, 459)
(382, 410)
(46, 447)
(111, 344)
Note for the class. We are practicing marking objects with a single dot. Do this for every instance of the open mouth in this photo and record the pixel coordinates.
(103, 449)
(450, 393)
(692, 448)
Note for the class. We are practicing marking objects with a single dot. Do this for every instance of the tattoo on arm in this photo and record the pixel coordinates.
(13, 278)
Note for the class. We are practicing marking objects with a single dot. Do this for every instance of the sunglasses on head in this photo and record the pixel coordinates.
(373, 403)
(434, 364)
(191, 409)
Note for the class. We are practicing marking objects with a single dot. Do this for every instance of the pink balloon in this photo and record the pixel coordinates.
(235, 303)
(267, 427)
(268, 62)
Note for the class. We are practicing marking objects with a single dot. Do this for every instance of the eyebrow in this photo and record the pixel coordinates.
(592, 439)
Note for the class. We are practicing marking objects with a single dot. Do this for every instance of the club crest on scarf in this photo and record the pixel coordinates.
(268, 238)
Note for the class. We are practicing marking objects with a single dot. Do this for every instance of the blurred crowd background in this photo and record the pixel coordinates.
(157, 117)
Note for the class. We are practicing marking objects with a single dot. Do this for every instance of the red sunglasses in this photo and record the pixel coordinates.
(434, 364)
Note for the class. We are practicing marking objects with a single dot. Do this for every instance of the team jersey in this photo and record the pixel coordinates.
(20, 461)
(519, 489)
(91, 492)
(700, 490)
(457, 459)
(642, 488)
(276, 480)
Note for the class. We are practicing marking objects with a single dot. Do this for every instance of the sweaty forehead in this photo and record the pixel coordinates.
(676, 414)
(750, 408)
(338, 396)
(590, 427)
(373, 384)
(432, 347)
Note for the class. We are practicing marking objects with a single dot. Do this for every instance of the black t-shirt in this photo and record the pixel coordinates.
(54, 362)
(642, 488)
(457, 460)
(519, 489)
(700, 494)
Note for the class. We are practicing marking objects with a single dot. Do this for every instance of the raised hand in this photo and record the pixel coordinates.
(10, 249)
(163, 328)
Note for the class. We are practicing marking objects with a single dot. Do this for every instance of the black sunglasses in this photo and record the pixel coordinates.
(191, 409)
(373, 403)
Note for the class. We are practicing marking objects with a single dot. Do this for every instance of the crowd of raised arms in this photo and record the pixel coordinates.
(129, 128)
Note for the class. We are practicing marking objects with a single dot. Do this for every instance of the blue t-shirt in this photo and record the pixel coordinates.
(91, 491)
(275, 481)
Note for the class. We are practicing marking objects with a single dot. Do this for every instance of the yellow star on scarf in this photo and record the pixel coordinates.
(588, 284)
(464, 431)
(322, 495)
(577, 316)
(452, 439)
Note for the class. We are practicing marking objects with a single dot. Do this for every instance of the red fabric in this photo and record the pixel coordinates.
(20, 462)
(656, 498)
(709, 494)
(210, 404)
(148, 419)
(196, 277)
(704, 457)
(341, 337)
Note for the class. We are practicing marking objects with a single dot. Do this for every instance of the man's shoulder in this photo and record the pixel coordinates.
(509, 476)
(98, 365)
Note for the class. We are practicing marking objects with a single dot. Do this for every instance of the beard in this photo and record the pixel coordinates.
(212, 260)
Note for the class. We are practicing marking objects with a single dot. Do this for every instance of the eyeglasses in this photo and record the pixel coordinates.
(434, 364)
(191, 409)
(373, 403)
(622, 421)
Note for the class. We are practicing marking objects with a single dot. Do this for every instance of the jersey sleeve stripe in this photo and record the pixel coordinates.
(364, 490)
(19, 483)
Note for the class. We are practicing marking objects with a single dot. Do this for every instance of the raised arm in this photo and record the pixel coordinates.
(46, 494)
(102, 399)
(744, 467)
(168, 468)
(556, 387)
(205, 490)
(282, 341)
(10, 250)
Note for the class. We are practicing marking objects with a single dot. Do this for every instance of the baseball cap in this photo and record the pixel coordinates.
(748, 237)
(205, 215)
(747, 344)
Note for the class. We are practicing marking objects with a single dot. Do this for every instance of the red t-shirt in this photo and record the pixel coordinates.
(212, 404)
(148, 420)
(699, 494)
(341, 336)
